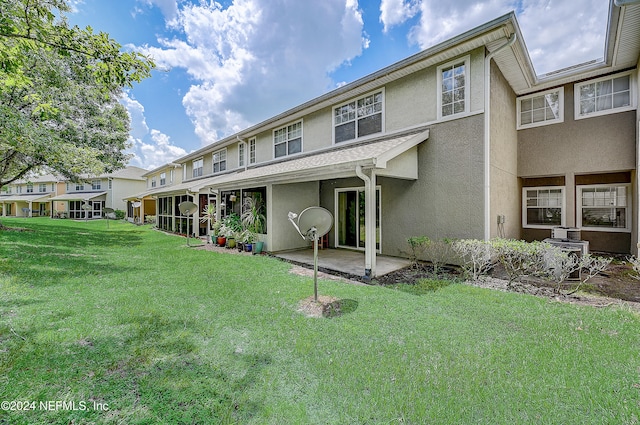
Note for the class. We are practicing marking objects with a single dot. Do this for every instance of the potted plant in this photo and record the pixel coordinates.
(248, 237)
(231, 226)
(208, 215)
(254, 220)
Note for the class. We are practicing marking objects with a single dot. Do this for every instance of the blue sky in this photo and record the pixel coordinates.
(223, 66)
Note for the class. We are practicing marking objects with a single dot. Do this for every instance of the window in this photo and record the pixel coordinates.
(153, 181)
(604, 96)
(18, 189)
(163, 179)
(96, 185)
(252, 151)
(358, 118)
(241, 153)
(287, 140)
(543, 206)
(29, 188)
(79, 187)
(110, 184)
(197, 167)
(541, 108)
(453, 88)
(604, 207)
(219, 160)
(42, 187)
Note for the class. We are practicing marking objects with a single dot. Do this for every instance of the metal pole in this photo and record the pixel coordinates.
(315, 268)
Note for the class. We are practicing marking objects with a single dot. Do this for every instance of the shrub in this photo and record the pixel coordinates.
(635, 264)
(475, 256)
(417, 245)
(520, 258)
(119, 214)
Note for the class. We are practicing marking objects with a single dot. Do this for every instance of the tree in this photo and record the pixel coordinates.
(59, 92)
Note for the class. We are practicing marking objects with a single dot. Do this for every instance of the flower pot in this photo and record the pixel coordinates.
(222, 240)
(240, 246)
(231, 243)
(247, 247)
(257, 247)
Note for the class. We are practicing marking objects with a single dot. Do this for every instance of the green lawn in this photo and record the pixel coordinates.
(148, 331)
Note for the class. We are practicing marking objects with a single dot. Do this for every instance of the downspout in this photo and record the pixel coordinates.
(487, 135)
(369, 222)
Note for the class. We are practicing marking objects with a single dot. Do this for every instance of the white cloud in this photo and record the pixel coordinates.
(557, 33)
(254, 59)
(169, 8)
(396, 12)
(150, 147)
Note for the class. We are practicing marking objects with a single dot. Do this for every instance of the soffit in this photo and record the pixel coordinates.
(83, 196)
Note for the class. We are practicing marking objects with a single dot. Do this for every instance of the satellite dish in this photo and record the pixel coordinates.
(136, 204)
(107, 212)
(187, 208)
(312, 224)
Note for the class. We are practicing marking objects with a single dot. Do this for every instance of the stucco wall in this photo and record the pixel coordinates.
(591, 145)
(504, 184)
(282, 198)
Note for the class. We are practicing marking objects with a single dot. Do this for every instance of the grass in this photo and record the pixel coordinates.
(133, 321)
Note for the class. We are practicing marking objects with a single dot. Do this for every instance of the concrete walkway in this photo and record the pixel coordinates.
(344, 261)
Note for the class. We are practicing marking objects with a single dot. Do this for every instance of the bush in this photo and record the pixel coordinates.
(475, 257)
(119, 214)
(520, 258)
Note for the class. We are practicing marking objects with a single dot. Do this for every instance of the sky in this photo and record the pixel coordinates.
(224, 66)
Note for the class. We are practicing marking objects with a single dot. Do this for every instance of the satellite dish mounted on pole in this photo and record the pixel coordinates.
(312, 224)
(187, 208)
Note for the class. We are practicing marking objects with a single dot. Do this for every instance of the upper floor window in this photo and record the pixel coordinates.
(96, 185)
(79, 186)
(153, 181)
(358, 118)
(602, 207)
(604, 96)
(220, 160)
(541, 108)
(197, 167)
(252, 151)
(170, 176)
(241, 153)
(163, 179)
(29, 188)
(42, 187)
(543, 206)
(287, 140)
(110, 184)
(453, 88)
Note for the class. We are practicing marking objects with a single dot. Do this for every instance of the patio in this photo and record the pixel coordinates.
(344, 261)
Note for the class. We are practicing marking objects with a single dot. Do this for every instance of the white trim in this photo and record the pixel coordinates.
(466, 61)
(557, 120)
(632, 96)
(627, 208)
(213, 162)
(193, 167)
(273, 139)
(355, 100)
(563, 207)
(255, 153)
(242, 157)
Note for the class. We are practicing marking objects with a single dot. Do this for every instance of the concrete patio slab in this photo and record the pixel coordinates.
(344, 261)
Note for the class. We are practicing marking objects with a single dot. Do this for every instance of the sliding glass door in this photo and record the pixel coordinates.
(350, 218)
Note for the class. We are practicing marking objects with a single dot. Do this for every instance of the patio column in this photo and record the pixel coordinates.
(369, 221)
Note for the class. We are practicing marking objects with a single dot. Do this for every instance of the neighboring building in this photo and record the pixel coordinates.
(30, 197)
(462, 140)
(87, 199)
(143, 204)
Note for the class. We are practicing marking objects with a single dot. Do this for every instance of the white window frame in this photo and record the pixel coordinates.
(543, 94)
(30, 188)
(627, 207)
(252, 150)
(200, 166)
(163, 178)
(242, 148)
(42, 188)
(466, 61)
(219, 158)
(356, 118)
(525, 207)
(632, 96)
(79, 187)
(287, 140)
(96, 184)
(153, 181)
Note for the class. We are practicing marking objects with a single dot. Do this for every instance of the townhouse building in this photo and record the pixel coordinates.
(461, 140)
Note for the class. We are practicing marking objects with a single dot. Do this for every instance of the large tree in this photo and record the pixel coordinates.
(59, 91)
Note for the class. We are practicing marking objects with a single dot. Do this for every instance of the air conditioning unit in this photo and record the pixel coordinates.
(567, 233)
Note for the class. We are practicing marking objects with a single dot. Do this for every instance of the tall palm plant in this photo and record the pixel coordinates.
(253, 217)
